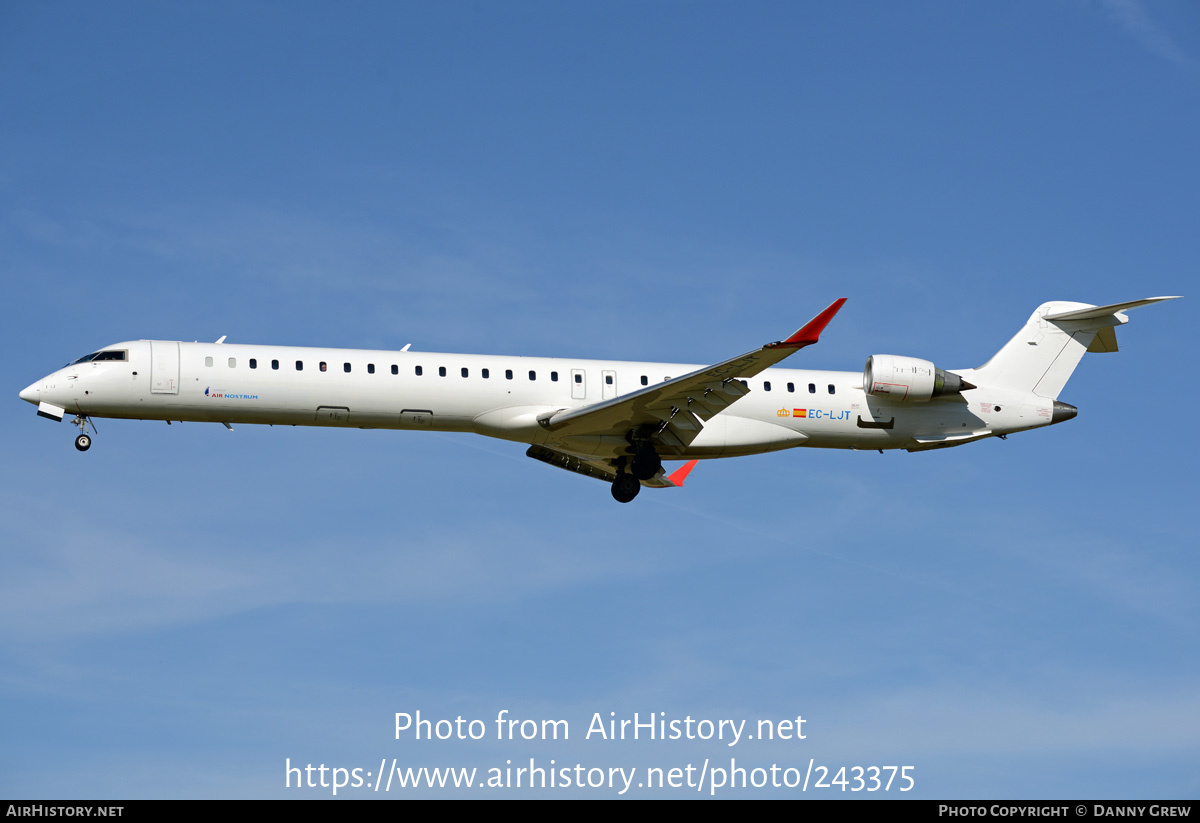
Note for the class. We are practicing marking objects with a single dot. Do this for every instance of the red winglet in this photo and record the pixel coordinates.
(680, 474)
(811, 332)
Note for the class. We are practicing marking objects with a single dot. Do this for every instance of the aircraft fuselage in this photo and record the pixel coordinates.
(502, 396)
(615, 421)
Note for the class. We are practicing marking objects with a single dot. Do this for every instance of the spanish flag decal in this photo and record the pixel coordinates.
(799, 412)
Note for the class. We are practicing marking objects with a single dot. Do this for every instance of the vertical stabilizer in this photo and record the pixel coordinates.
(1043, 354)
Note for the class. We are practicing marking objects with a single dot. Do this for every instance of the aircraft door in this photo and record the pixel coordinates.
(578, 384)
(416, 418)
(608, 389)
(164, 367)
(333, 415)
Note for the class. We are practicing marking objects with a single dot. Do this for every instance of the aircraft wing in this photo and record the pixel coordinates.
(603, 469)
(673, 413)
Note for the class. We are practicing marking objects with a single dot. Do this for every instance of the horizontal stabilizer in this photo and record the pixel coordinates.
(1097, 312)
(1104, 341)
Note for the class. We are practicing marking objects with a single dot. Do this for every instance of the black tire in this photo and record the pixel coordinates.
(625, 488)
(83, 442)
(646, 465)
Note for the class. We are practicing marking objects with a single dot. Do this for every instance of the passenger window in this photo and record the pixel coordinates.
(508, 374)
(532, 374)
(299, 365)
(486, 374)
(791, 387)
(370, 368)
(233, 362)
(275, 365)
(418, 370)
(579, 378)
(324, 366)
(645, 380)
(553, 377)
(346, 368)
(812, 388)
(441, 371)
(766, 385)
(395, 369)
(464, 371)
(608, 379)
(831, 388)
(253, 363)
(208, 361)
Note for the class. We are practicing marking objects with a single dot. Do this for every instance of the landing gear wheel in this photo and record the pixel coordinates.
(646, 464)
(84, 441)
(625, 488)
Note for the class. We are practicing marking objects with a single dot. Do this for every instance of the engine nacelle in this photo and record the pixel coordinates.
(908, 379)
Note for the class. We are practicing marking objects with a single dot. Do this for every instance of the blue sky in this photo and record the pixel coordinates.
(182, 608)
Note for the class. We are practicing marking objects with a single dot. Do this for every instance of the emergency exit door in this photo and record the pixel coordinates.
(164, 367)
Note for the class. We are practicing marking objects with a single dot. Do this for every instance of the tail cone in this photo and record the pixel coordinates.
(1063, 411)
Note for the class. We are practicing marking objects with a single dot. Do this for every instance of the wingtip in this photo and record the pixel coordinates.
(811, 332)
(680, 474)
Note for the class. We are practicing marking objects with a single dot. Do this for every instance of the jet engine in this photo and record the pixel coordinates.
(909, 380)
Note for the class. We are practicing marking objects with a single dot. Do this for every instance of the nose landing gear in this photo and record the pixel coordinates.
(84, 441)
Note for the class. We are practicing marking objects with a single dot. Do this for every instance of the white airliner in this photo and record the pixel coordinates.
(614, 421)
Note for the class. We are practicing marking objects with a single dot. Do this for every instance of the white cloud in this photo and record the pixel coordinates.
(1134, 20)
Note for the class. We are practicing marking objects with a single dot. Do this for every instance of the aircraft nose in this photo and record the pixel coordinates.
(32, 393)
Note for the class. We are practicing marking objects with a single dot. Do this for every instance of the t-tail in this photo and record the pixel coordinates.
(1042, 355)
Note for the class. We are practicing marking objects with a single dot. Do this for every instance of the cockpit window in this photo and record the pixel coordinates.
(101, 355)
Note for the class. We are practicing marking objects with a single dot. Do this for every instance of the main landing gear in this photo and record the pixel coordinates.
(631, 471)
(641, 462)
(645, 464)
(625, 488)
(84, 441)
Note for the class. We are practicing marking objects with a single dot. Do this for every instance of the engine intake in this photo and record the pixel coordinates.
(909, 379)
